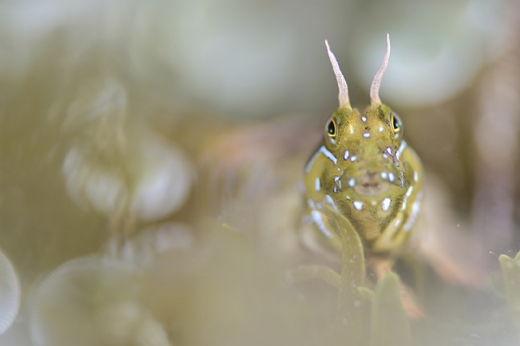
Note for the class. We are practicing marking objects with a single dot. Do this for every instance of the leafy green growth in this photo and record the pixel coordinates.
(351, 319)
(390, 325)
(312, 272)
(511, 272)
(366, 293)
(351, 315)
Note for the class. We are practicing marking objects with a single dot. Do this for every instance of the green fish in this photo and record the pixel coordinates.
(364, 170)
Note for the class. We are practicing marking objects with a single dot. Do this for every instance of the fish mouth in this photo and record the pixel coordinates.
(369, 184)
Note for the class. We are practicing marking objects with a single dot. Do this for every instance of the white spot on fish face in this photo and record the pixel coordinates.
(328, 154)
(406, 196)
(391, 177)
(366, 135)
(385, 156)
(330, 201)
(389, 150)
(415, 176)
(384, 175)
(400, 151)
(385, 204)
(353, 158)
(380, 128)
(310, 203)
(415, 211)
(364, 119)
(336, 178)
(318, 184)
(346, 154)
(351, 130)
(311, 161)
(347, 198)
(358, 205)
(351, 182)
(316, 217)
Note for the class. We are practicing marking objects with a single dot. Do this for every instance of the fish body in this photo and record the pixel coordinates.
(364, 170)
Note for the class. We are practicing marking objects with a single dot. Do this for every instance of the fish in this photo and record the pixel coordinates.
(363, 169)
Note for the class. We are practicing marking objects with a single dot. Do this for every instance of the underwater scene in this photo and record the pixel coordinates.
(288, 172)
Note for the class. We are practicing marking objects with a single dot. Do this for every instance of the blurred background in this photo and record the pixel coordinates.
(131, 131)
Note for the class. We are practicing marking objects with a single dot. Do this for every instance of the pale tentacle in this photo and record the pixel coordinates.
(342, 83)
(376, 83)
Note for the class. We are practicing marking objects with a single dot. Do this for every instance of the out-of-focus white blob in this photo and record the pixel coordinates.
(129, 322)
(432, 60)
(28, 23)
(242, 58)
(153, 241)
(89, 187)
(231, 56)
(233, 63)
(9, 293)
(159, 180)
(103, 101)
(164, 183)
(92, 301)
(117, 167)
(37, 18)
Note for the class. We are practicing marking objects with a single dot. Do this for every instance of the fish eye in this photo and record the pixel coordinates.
(396, 123)
(332, 128)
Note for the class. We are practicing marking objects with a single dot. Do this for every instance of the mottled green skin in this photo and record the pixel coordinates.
(383, 226)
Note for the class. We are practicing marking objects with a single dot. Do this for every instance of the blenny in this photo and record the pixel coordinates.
(364, 170)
